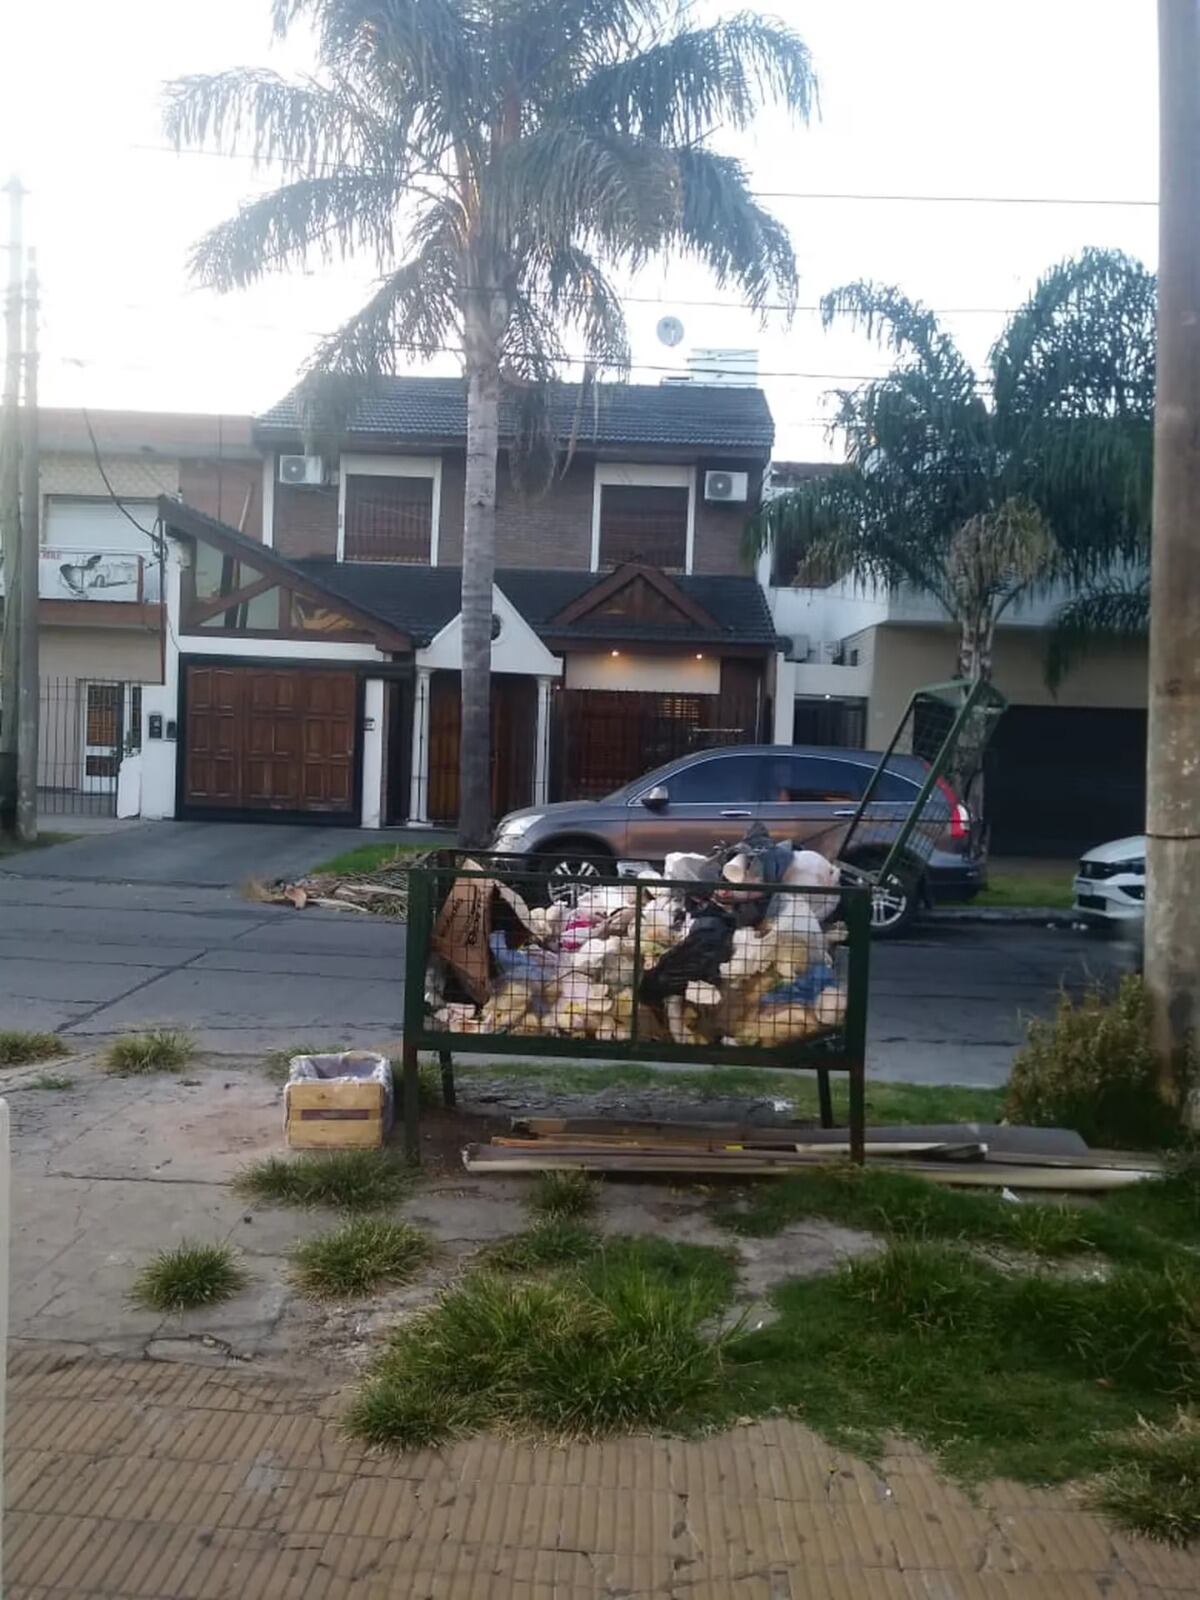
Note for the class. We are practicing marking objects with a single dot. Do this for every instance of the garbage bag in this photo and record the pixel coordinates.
(696, 958)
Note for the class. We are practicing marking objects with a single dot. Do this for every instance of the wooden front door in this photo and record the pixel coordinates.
(514, 736)
(270, 739)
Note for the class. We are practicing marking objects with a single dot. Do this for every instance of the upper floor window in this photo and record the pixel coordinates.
(389, 509)
(643, 513)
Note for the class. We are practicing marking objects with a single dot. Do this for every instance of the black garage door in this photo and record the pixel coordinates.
(1062, 778)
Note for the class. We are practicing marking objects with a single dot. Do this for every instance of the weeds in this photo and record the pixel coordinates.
(551, 1242)
(191, 1275)
(159, 1050)
(21, 1049)
(1093, 1068)
(563, 1194)
(360, 1256)
(56, 1081)
(610, 1349)
(1155, 1485)
(354, 1180)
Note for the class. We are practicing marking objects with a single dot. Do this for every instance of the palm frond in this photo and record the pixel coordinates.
(721, 224)
(998, 554)
(304, 124)
(677, 91)
(906, 327)
(1101, 616)
(576, 292)
(334, 215)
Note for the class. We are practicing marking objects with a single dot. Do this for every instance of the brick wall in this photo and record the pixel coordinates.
(553, 531)
(305, 521)
(231, 491)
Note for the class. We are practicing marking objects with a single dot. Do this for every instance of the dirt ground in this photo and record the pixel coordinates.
(113, 1170)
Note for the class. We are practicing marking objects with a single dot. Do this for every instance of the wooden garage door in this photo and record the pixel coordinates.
(269, 739)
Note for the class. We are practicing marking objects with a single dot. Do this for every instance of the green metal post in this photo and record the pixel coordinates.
(416, 959)
(858, 978)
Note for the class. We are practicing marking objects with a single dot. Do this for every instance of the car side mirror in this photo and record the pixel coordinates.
(656, 799)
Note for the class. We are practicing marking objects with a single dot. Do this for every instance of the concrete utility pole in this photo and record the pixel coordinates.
(10, 504)
(28, 681)
(1173, 776)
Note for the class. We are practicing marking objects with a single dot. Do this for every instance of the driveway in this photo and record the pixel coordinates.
(148, 926)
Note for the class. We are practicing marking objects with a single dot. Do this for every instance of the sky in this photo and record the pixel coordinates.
(1027, 98)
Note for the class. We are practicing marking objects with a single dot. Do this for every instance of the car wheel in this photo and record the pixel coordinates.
(572, 865)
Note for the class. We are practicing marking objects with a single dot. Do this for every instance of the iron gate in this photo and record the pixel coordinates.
(87, 725)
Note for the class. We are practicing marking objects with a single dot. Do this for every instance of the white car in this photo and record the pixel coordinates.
(1110, 886)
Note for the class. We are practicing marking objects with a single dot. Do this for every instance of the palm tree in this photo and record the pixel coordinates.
(980, 491)
(497, 159)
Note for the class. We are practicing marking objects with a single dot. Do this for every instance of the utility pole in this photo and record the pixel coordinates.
(1172, 957)
(10, 505)
(28, 682)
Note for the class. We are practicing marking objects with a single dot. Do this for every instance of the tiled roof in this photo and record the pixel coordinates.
(678, 415)
(422, 600)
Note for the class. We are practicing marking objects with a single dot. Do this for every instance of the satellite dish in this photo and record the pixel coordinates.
(670, 331)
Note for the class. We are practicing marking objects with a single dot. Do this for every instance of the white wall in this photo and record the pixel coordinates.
(682, 674)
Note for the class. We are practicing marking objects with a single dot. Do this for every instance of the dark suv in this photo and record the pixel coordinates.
(806, 793)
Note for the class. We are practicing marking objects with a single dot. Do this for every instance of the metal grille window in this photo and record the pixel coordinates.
(389, 519)
(643, 523)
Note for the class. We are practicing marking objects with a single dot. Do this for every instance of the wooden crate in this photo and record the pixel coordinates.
(335, 1115)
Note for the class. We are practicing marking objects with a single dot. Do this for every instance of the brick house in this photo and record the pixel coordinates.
(312, 660)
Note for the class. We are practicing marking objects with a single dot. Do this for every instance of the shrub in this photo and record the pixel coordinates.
(18, 1048)
(355, 1180)
(552, 1242)
(160, 1050)
(563, 1194)
(1092, 1068)
(1154, 1486)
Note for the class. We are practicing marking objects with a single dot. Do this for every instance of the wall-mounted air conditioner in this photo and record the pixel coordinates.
(302, 471)
(800, 648)
(730, 487)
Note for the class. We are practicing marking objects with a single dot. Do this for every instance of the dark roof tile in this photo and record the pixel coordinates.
(710, 416)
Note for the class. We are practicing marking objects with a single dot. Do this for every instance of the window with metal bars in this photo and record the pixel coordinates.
(643, 523)
(388, 519)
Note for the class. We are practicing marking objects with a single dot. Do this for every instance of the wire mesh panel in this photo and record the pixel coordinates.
(721, 961)
(919, 797)
(86, 727)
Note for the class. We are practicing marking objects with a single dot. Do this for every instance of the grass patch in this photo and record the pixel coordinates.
(371, 857)
(191, 1275)
(886, 1102)
(15, 847)
(160, 1050)
(611, 1348)
(910, 1208)
(1155, 1486)
(56, 1081)
(359, 1257)
(277, 1063)
(352, 1180)
(1048, 891)
(551, 1242)
(563, 1194)
(1170, 1205)
(1024, 1376)
(19, 1048)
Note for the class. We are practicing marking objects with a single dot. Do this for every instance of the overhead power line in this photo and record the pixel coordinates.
(862, 197)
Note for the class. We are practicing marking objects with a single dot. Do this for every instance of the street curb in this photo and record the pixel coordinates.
(1016, 916)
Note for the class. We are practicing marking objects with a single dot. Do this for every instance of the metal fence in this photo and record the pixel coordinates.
(715, 969)
(86, 726)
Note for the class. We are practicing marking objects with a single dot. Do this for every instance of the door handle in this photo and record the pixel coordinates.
(847, 813)
(737, 813)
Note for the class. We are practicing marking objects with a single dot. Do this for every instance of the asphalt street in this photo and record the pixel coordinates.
(148, 926)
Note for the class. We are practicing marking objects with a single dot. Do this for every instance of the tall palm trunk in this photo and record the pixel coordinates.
(478, 573)
(976, 637)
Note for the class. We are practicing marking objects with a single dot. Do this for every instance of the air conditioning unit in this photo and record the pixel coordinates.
(730, 487)
(308, 471)
(800, 648)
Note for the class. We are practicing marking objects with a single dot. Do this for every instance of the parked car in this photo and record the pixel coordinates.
(1110, 886)
(805, 793)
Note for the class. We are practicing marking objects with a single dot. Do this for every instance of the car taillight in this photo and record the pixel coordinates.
(960, 817)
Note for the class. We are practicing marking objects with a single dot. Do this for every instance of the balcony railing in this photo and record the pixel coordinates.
(119, 575)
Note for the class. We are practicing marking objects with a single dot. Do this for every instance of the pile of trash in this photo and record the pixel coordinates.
(727, 951)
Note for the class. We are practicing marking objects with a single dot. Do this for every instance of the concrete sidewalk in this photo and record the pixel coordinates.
(178, 1482)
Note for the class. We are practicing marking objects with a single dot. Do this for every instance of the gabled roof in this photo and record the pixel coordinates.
(422, 600)
(705, 416)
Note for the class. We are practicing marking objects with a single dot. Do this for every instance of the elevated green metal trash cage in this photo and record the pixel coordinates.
(703, 972)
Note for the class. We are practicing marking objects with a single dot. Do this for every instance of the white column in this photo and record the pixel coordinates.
(159, 756)
(268, 500)
(784, 706)
(541, 758)
(418, 795)
(372, 761)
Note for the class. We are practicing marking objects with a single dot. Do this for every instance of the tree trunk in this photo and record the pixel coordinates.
(1172, 950)
(478, 573)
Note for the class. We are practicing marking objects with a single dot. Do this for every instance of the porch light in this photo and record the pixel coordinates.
(614, 652)
(699, 655)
